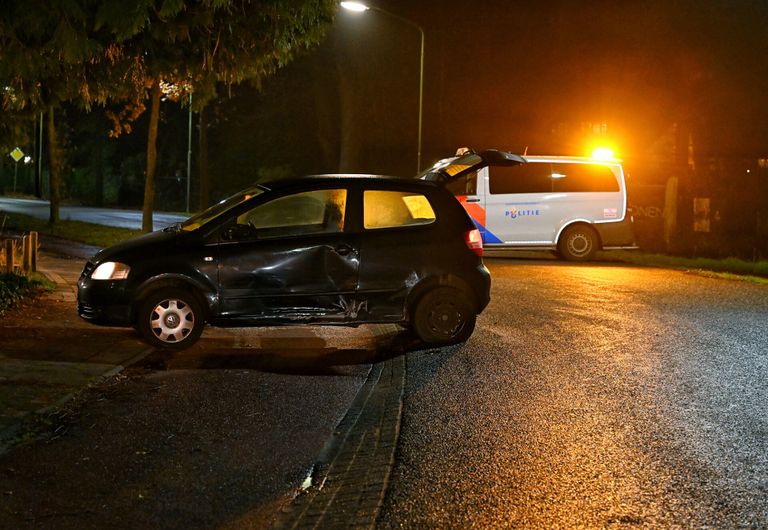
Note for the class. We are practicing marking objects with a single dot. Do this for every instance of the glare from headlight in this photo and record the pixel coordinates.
(111, 270)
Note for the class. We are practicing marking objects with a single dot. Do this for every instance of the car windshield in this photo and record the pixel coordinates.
(206, 216)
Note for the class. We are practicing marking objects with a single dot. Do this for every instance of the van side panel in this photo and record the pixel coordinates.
(529, 206)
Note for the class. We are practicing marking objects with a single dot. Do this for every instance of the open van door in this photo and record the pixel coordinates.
(462, 176)
(451, 169)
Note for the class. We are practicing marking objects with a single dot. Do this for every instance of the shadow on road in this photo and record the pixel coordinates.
(302, 351)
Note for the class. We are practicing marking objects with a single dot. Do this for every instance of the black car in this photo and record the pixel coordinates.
(337, 249)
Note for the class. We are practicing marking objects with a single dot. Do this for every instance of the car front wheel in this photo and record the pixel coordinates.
(444, 316)
(171, 319)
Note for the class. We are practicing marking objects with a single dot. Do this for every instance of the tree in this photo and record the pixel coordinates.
(172, 48)
(50, 54)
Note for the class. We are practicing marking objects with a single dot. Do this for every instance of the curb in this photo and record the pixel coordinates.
(8, 436)
(347, 485)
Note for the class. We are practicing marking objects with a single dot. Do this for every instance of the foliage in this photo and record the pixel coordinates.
(14, 286)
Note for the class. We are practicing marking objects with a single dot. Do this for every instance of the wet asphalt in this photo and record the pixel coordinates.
(594, 397)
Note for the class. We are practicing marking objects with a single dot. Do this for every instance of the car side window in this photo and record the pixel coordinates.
(309, 212)
(389, 209)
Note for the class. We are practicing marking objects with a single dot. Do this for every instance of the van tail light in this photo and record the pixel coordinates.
(474, 241)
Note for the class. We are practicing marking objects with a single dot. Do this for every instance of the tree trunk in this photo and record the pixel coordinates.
(100, 171)
(56, 164)
(149, 184)
(205, 178)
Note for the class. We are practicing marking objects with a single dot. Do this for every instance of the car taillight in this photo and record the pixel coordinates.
(474, 241)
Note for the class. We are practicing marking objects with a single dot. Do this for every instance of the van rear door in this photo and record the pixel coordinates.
(465, 177)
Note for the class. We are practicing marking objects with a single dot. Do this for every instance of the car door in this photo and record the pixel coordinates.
(399, 247)
(289, 258)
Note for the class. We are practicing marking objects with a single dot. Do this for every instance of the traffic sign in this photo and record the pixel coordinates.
(17, 154)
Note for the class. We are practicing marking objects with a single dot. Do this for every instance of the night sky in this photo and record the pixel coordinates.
(552, 77)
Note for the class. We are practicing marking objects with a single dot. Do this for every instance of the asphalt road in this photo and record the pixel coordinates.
(591, 396)
(102, 216)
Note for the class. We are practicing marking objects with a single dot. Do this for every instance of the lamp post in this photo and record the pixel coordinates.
(360, 7)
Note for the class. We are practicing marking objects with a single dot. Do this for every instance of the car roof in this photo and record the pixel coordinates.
(345, 179)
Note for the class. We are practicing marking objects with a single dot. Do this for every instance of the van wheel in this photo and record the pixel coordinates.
(444, 316)
(170, 319)
(578, 243)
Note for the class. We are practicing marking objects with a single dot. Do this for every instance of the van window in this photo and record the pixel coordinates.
(584, 177)
(543, 177)
(388, 209)
(525, 178)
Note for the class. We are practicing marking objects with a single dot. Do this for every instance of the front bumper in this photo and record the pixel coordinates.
(104, 302)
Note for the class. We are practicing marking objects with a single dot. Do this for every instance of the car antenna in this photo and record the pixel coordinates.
(525, 153)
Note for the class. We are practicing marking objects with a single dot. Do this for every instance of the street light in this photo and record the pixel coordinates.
(359, 7)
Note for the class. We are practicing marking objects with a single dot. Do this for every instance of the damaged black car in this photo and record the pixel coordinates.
(340, 250)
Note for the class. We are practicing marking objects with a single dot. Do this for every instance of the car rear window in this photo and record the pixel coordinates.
(389, 209)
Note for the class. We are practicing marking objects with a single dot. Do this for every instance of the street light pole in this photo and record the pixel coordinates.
(360, 7)
(189, 152)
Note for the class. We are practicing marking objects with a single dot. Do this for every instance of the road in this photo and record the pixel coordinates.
(589, 396)
(102, 216)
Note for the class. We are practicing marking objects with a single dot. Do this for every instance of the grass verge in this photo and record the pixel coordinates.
(729, 268)
(88, 233)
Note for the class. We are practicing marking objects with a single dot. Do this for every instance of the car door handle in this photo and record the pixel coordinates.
(473, 200)
(344, 249)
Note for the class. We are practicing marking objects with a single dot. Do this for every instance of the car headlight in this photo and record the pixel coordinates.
(111, 270)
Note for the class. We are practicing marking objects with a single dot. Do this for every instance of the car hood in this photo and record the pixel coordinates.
(144, 244)
(450, 169)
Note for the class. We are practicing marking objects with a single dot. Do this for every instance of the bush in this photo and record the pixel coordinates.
(14, 286)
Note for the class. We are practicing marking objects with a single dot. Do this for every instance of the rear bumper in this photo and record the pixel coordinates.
(617, 235)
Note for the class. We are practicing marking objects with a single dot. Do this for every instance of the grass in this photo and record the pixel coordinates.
(15, 286)
(88, 233)
(728, 268)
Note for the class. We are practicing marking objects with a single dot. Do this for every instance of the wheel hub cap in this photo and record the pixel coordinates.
(172, 320)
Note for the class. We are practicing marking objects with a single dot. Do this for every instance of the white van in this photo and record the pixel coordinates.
(572, 205)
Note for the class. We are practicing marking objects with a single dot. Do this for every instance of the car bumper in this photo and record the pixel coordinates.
(103, 302)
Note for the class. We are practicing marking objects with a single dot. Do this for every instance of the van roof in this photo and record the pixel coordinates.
(571, 159)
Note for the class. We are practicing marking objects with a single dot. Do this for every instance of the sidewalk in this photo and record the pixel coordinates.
(47, 353)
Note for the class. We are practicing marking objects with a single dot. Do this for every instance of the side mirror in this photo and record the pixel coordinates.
(238, 233)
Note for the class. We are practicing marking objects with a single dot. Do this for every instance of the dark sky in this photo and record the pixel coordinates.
(549, 76)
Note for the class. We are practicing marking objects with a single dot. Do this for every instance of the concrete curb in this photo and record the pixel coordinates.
(9, 435)
(350, 479)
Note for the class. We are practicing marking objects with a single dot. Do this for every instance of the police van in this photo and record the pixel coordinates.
(574, 206)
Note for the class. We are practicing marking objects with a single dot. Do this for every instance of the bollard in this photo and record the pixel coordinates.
(8, 250)
(26, 253)
(33, 262)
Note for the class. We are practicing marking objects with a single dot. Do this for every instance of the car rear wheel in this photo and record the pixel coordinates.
(444, 316)
(578, 243)
(171, 319)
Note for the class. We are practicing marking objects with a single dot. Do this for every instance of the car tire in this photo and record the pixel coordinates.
(444, 316)
(578, 243)
(170, 319)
